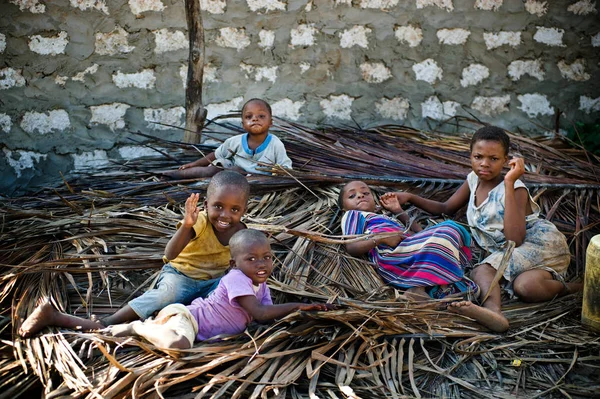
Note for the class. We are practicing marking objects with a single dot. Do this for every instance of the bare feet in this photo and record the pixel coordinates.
(41, 317)
(495, 321)
(572, 288)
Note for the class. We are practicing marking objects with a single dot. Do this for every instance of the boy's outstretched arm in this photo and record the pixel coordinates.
(262, 312)
(204, 161)
(185, 233)
(449, 207)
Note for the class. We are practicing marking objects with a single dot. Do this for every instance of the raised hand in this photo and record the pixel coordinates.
(191, 210)
(390, 202)
(517, 169)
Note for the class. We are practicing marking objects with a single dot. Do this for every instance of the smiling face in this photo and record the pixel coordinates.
(356, 195)
(256, 118)
(254, 259)
(487, 159)
(225, 207)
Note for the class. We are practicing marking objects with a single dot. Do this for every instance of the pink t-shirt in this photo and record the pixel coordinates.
(220, 313)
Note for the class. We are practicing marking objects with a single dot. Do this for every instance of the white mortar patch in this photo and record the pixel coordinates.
(135, 151)
(535, 104)
(223, 108)
(574, 71)
(80, 76)
(596, 40)
(549, 36)
(11, 78)
(375, 72)
(140, 80)
(33, 6)
(410, 35)
(209, 74)
(434, 109)
(233, 38)
(495, 40)
(140, 6)
(533, 68)
(267, 38)
(61, 80)
(583, 7)
(260, 73)
(453, 36)
(446, 4)
(45, 123)
(49, 45)
(538, 8)
(303, 35)
(378, 4)
(428, 70)
(474, 74)
(342, 2)
(267, 5)
(172, 116)
(213, 6)
(287, 109)
(304, 66)
(90, 160)
(588, 104)
(395, 108)
(5, 123)
(111, 115)
(338, 106)
(25, 160)
(2, 42)
(491, 105)
(83, 5)
(488, 5)
(357, 36)
(169, 41)
(114, 42)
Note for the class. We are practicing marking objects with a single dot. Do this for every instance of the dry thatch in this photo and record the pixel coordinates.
(96, 240)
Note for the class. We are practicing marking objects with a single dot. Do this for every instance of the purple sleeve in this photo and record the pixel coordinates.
(266, 297)
(237, 284)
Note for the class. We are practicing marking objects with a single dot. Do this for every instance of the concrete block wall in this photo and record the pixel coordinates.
(77, 75)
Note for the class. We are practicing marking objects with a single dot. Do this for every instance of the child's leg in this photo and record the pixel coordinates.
(483, 275)
(45, 315)
(123, 315)
(539, 286)
(158, 334)
(486, 317)
(190, 173)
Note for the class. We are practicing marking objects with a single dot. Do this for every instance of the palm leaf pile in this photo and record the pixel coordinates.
(97, 238)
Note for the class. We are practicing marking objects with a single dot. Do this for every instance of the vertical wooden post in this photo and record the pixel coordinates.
(195, 113)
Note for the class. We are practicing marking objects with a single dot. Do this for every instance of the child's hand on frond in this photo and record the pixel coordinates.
(191, 210)
(391, 203)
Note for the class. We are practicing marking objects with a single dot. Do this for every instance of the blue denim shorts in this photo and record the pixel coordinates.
(173, 287)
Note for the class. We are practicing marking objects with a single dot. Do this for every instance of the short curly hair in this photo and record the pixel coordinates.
(491, 133)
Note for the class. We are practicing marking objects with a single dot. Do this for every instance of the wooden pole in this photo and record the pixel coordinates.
(195, 113)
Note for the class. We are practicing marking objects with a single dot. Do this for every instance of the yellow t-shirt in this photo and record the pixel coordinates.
(204, 257)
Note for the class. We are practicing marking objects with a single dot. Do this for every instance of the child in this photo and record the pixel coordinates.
(241, 296)
(197, 254)
(243, 152)
(500, 209)
(423, 262)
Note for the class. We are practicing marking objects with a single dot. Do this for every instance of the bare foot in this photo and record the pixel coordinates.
(41, 317)
(416, 294)
(122, 330)
(493, 320)
(572, 288)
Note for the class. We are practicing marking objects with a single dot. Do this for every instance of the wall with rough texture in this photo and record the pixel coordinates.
(77, 75)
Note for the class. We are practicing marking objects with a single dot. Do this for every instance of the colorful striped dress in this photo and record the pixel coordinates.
(435, 256)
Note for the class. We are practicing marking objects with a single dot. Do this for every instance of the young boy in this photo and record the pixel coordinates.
(242, 296)
(195, 257)
(243, 152)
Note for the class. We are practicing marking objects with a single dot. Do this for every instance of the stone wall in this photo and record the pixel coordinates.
(77, 75)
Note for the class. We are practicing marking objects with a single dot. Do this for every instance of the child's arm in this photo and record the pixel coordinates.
(358, 248)
(204, 161)
(449, 207)
(515, 203)
(185, 233)
(391, 203)
(262, 312)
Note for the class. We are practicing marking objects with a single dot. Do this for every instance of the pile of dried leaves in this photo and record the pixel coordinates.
(97, 239)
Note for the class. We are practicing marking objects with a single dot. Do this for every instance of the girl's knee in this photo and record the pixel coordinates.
(483, 271)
